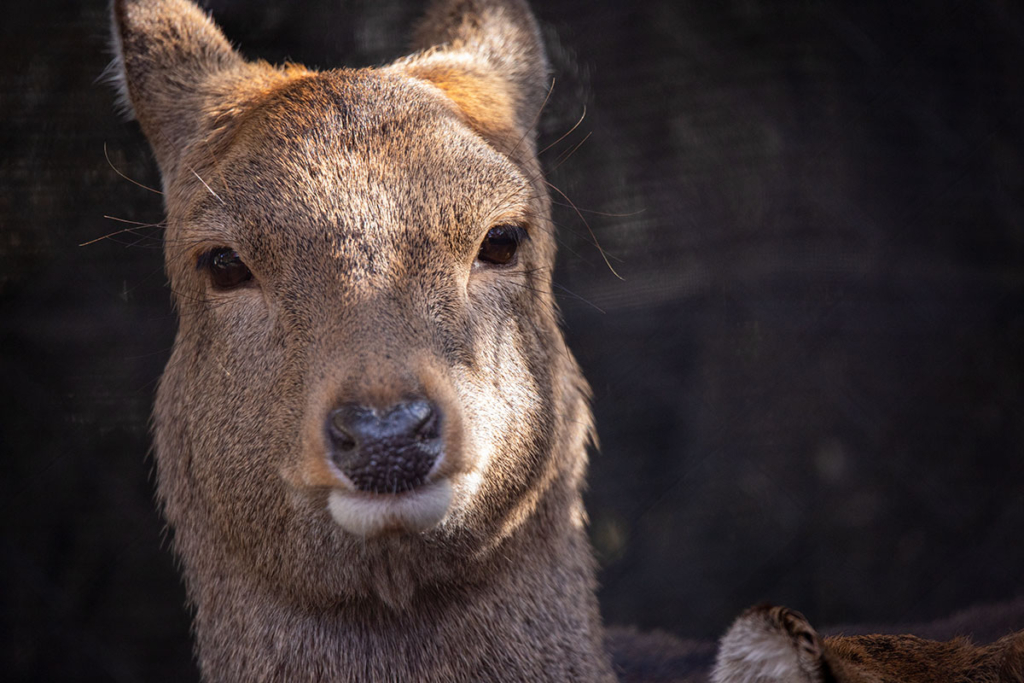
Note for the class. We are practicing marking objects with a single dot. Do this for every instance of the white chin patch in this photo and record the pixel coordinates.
(366, 514)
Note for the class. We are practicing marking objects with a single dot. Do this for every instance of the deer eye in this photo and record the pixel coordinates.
(226, 268)
(500, 245)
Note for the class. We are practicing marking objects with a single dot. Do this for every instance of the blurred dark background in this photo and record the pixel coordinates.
(808, 383)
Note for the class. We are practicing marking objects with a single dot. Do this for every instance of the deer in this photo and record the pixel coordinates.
(770, 643)
(370, 437)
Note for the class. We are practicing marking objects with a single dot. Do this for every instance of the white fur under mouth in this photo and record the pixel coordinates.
(366, 514)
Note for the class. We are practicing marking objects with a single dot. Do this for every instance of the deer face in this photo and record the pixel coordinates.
(368, 364)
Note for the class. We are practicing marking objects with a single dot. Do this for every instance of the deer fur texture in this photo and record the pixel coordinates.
(769, 644)
(359, 199)
(336, 243)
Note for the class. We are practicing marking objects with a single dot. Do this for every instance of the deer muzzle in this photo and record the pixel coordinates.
(386, 451)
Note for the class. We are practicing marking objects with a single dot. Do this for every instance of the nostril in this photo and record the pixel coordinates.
(420, 411)
(340, 436)
(426, 426)
(344, 441)
(430, 428)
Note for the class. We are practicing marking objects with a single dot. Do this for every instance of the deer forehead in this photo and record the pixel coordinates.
(350, 157)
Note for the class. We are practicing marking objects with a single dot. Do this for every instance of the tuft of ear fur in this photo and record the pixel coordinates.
(769, 644)
(487, 56)
(178, 76)
(113, 75)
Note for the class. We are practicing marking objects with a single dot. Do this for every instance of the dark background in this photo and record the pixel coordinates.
(808, 383)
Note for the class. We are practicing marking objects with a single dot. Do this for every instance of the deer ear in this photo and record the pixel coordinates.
(177, 74)
(487, 56)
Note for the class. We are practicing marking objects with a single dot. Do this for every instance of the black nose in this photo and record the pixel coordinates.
(385, 451)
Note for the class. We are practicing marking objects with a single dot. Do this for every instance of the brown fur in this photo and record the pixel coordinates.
(359, 200)
(768, 644)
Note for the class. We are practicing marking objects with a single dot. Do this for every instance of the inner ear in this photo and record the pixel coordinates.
(486, 99)
(488, 58)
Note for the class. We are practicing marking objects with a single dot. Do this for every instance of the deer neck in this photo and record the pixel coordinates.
(528, 612)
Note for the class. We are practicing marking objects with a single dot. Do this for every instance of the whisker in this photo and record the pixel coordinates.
(110, 236)
(207, 186)
(582, 299)
(133, 182)
(589, 229)
(216, 166)
(135, 225)
(158, 224)
(567, 133)
(565, 156)
(536, 118)
(605, 214)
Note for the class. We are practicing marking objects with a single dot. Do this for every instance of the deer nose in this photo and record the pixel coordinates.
(385, 451)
